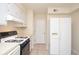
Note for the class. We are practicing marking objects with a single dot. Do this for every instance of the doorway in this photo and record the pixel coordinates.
(40, 31)
(40, 41)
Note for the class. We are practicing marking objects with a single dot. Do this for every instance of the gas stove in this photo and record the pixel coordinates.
(14, 39)
(11, 37)
(17, 41)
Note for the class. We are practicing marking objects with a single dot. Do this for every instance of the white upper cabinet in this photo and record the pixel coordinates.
(14, 13)
(3, 13)
(11, 12)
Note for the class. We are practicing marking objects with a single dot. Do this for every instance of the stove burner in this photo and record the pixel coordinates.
(14, 41)
(22, 37)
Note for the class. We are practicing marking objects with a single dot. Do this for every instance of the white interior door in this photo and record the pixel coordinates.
(40, 31)
(54, 36)
(65, 36)
(60, 35)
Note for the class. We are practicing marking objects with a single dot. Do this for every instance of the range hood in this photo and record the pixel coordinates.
(18, 23)
(14, 19)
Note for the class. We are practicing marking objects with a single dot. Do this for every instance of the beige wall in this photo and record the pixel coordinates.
(75, 32)
(29, 22)
(30, 25)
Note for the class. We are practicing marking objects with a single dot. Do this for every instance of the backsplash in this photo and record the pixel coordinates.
(6, 28)
(20, 31)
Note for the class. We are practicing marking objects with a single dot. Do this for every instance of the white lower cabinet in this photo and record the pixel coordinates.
(60, 35)
(15, 51)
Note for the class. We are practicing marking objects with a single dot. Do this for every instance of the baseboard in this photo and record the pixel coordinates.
(75, 52)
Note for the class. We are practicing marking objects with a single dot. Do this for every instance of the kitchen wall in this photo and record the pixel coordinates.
(30, 25)
(29, 21)
(75, 32)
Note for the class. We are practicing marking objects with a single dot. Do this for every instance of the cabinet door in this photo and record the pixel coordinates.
(65, 36)
(12, 9)
(15, 51)
(16, 12)
(54, 36)
(3, 13)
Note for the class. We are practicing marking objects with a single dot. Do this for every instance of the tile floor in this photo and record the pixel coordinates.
(39, 49)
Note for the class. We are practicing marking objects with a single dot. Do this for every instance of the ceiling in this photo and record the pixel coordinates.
(49, 7)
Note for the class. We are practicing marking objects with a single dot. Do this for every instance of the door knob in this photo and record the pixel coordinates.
(54, 33)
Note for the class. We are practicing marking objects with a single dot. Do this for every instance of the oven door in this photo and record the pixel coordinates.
(25, 48)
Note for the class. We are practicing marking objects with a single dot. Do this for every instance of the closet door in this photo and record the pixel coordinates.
(54, 36)
(65, 36)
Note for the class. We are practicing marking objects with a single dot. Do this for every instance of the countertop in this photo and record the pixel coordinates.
(5, 48)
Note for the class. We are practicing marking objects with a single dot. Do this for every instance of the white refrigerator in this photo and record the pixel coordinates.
(60, 35)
